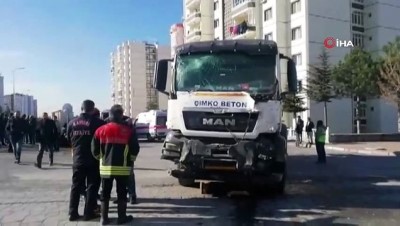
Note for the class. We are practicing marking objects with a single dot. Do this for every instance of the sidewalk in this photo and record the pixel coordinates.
(381, 148)
(367, 148)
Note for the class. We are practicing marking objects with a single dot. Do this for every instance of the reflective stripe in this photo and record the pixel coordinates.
(115, 173)
(115, 170)
(118, 168)
(126, 152)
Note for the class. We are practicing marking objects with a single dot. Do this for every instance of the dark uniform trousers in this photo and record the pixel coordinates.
(42, 148)
(82, 175)
(122, 188)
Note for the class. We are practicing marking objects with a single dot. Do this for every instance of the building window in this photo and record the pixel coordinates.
(215, 5)
(238, 2)
(362, 112)
(297, 59)
(358, 40)
(357, 18)
(300, 85)
(267, 14)
(296, 33)
(216, 23)
(268, 36)
(296, 7)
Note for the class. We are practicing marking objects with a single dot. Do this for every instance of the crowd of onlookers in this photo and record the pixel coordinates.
(102, 151)
(17, 129)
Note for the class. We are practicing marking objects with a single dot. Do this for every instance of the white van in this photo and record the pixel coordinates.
(152, 125)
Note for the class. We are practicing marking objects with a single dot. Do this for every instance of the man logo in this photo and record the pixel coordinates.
(218, 122)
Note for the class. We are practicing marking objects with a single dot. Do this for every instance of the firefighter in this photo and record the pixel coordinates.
(80, 133)
(116, 146)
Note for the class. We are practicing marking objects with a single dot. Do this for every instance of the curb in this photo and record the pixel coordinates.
(358, 151)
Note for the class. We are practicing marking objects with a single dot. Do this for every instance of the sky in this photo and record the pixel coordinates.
(65, 45)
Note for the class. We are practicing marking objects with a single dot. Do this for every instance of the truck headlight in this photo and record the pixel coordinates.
(173, 147)
(169, 136)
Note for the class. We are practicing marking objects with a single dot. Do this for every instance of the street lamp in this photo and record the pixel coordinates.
(13, 74)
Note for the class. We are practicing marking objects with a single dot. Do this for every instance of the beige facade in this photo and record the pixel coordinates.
(132, 71)
(198, 17)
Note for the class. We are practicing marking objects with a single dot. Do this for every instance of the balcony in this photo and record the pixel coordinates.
(241, 8)
(193, 18)
(194, 36)
(243, 31)
(193, 4)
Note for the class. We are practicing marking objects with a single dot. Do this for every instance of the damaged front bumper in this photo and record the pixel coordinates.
(216, 159)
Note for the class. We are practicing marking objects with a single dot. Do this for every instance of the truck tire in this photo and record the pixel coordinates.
(185, 182)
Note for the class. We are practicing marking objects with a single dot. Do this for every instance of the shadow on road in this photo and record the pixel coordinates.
(316, 194)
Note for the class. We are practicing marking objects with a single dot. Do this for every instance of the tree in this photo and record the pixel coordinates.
(389, 68)
(319, 86)
(293, 104)
(152, 105)
(356, 76)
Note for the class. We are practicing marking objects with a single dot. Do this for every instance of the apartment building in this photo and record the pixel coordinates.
(132, 71)
(300, 28)
(25, 104)
(198, 20)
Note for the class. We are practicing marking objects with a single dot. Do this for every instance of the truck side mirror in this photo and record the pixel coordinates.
(161, 75)
(288, 76)
(291, 76)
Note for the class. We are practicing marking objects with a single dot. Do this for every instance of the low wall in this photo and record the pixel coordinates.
(363, 137)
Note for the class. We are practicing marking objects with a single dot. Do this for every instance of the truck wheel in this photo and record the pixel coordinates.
(187, 182)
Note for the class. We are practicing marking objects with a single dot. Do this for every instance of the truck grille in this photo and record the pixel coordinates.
(208, 121)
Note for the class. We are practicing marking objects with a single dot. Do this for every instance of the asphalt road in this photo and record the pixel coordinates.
(350, 190)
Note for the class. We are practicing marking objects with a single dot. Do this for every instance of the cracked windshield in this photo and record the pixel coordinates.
(225, 72)
(200, 112)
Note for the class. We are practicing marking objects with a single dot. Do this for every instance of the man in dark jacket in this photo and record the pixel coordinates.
(3, 122)
(96, 114)
(299, 131)
(80, 133)
(110, 144)
(26, 129)
(32, 129)
(16, 128)
(8, 133)
(309, 131)
(47, 136)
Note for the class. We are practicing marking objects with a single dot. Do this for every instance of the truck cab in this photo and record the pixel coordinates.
(225, 110)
